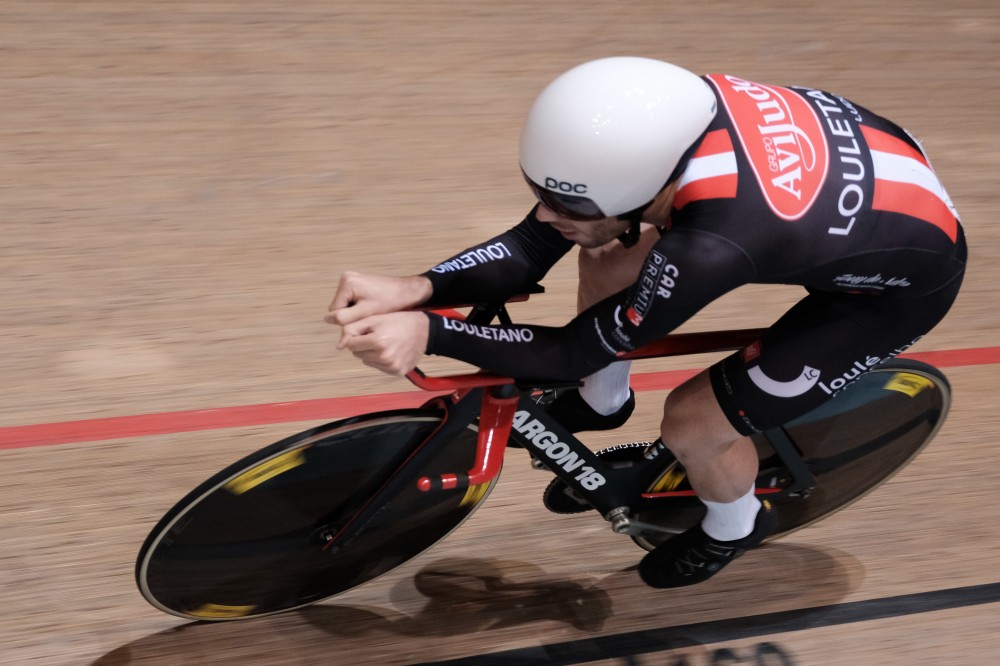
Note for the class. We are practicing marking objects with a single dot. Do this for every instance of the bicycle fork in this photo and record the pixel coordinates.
(458, 417)
(496, 416)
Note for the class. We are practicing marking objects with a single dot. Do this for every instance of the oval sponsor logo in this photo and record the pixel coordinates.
(783, 140)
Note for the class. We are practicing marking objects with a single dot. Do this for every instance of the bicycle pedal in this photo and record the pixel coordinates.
(538, 464)
(560, 498)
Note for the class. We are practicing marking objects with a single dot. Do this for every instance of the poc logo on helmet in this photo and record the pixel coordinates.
(563, 186)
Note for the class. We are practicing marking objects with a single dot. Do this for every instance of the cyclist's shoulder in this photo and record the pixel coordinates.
(704, 250)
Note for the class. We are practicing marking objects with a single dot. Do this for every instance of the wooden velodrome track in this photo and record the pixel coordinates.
(181, 184)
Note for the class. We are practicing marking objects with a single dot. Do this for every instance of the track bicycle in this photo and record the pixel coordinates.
(335, 506)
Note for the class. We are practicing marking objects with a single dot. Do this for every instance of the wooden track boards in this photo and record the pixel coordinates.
(181, 185)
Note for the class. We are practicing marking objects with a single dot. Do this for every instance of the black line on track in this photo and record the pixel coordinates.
(624, 645)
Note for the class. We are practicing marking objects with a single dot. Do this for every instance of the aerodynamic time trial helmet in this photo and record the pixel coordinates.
(603, 139)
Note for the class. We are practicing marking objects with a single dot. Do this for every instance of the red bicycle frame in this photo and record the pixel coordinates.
(500, 396)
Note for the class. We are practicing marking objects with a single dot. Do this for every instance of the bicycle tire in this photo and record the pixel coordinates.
(244, 543)
(852, 444)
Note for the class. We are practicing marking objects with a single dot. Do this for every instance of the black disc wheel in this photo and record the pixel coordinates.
(852, 444)
(256, 538)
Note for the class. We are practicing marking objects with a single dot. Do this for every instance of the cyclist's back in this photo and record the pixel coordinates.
(818, 191)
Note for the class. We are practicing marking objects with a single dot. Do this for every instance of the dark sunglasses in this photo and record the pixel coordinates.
(571, 206)
(575, 207)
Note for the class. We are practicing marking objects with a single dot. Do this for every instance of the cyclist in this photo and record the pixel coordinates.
(678, 189)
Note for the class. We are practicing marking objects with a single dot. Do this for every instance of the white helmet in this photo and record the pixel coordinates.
(603, 139)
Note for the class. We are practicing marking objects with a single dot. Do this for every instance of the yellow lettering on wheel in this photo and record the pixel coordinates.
(908, 383)
(220, 611)
(474, 494)
(669, 480)
(264, 471)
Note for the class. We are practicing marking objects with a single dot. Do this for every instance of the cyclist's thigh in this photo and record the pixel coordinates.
(820, 346)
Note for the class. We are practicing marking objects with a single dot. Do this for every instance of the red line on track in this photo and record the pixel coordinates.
(140, 425)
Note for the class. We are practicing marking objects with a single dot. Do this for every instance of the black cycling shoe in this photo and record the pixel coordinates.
(693, 556)
(574, 414)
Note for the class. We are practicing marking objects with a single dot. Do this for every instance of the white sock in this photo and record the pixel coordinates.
(729, 521)
(607, 389)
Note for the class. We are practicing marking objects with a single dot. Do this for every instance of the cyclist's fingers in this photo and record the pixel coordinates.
(349, 292)
(349, 314)
(377, 342)
(349, 336)
(356, 306)
(344, 293)
(359, 336)
(372, 353)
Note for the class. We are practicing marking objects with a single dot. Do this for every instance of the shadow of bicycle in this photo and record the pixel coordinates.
(459, 606)
(465, 596)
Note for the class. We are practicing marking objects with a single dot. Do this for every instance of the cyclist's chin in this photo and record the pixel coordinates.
(580, 238)
(591, 234)
(591, 241)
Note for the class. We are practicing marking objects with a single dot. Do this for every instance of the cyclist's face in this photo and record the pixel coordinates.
(589, 233)
(595, 233)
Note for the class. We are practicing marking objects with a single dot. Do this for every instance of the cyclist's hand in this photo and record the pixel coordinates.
(392, 343)
(361, 295)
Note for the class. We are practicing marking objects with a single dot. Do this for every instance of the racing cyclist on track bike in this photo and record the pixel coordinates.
(678, 189)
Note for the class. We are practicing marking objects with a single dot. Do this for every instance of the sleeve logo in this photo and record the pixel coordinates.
(657, 280)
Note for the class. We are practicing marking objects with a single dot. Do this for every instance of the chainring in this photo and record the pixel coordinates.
(560, 498)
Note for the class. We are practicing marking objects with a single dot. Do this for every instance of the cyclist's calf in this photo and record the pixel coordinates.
(721, 464)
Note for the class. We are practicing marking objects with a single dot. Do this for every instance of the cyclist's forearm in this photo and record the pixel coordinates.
(522, 351)
(499, 268)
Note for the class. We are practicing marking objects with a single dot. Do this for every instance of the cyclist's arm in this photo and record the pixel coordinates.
(501, 267)
(685, 271)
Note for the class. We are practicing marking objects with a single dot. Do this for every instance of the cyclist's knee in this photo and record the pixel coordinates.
(692, 420)
(675, 424)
